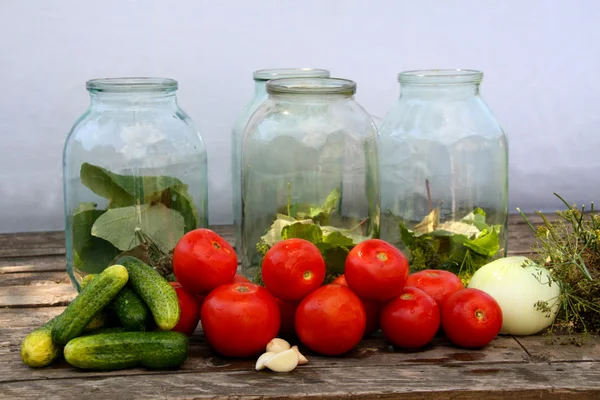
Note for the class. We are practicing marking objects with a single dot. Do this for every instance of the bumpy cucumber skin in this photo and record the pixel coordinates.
(92, 299)
(155, 290)
(130, 309)
(38, 349)
(112, 351)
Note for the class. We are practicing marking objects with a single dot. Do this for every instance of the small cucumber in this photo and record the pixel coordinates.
(111, 351)
(38, 349)
(129, 308)
(93, 298)
(156, 291)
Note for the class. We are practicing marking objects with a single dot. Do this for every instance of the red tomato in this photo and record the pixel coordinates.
(203, 260)
(376, 270)
(287, 312)
(372, 309)
(240, 279)
(330, 320)
(471, 318)
(239, 319)
(190, 310)
(293, 268)
(438, 284)
(411, 320)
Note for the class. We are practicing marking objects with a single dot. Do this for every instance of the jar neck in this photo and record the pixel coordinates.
(260, 88)
(133, 100)
(310, 98)
(451, 91)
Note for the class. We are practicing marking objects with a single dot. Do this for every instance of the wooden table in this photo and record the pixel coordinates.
(34, 287)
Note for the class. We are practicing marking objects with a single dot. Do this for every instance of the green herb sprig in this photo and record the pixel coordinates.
(569, 247)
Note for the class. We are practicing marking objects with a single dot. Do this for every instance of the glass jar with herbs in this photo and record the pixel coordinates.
(260, 95)
(309, 170)
(134, 174)
(444, 173)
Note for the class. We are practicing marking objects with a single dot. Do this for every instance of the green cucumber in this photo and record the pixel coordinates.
(111, 351)
(129, 308)
(92, 300)
(38, 349)
(155, 290)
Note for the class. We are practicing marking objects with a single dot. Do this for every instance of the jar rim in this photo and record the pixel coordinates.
(275, 73)
(440, 76)
(131, 84)
(314, 86)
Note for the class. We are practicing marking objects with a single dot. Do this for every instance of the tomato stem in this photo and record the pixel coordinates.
(242, 289)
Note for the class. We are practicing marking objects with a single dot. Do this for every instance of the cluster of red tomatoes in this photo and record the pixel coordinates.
(376, 291)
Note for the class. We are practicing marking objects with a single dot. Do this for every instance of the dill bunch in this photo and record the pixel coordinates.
(569, 247)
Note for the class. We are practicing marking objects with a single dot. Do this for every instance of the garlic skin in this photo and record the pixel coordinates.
(301, 359)
(277, 345)
(260, 363)
(284, 361)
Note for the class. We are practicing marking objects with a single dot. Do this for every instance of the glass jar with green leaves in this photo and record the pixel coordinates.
(309, 170)
(260, 95)
(444, 173)
(134, 175)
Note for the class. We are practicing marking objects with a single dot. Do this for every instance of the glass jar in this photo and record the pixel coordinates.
(134, 175)
(309, 170)
(260, 95)
(444, 173)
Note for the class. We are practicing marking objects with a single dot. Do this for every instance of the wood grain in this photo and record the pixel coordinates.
(30, 264)
(369, 353)
(502, 381)
(52, 294)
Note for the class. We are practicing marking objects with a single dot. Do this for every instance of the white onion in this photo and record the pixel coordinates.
(517, 283)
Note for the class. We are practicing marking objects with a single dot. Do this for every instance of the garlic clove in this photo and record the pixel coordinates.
(285, 361)
(278, 345)
(301, 359)
(260, 363)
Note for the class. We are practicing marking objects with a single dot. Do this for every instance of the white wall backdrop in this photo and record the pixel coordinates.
(541, 61)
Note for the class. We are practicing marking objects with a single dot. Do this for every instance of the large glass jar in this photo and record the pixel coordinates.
(134, 173)
(260, 95)
(309, 170)
(444, 173)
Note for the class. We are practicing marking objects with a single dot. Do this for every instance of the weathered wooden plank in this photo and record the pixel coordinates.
(371, 352)
(540, 349)
(32, 264)
(34, 278)
(54, 294)
(29, 319)
(32, 244)
(503, 381)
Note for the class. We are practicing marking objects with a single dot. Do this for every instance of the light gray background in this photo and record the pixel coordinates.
(541, 61)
